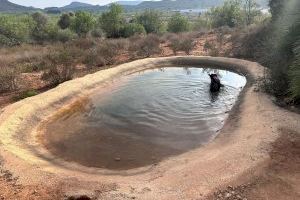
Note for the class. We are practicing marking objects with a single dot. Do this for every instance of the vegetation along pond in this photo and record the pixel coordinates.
(143, 118)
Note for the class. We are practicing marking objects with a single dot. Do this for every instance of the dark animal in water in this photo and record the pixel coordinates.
(215, 83)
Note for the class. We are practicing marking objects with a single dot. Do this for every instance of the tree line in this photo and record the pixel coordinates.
(38, 27)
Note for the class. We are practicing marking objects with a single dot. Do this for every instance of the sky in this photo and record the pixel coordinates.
(57, 3)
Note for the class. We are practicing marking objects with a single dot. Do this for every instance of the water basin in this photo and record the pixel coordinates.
(143, 118)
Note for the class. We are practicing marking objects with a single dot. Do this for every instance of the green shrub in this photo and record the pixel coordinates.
(151, 20)
(9, 42)
(178, 23)
(15, 29)
(97, 33)
(65, 21)
(82, 23)
(202, 23)
(111, 22)
(132, 29)
(39, 32)
(229, 14)
(65, 35)
(26, 94)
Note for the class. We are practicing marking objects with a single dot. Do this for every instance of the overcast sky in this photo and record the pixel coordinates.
(57, 3)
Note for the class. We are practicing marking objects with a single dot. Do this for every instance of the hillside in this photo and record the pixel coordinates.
(178, 4)
(6, 6)
(75, 5)
(159, 5)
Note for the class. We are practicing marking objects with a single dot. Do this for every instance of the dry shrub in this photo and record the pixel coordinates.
(212, 48)
(182, 43)
(93, 59)
(146, 46)
(8, 78)
(119, 44)
(249, 43)
(61, 66)
(167, 37)
(105, 53)
(83, 43)
(108, 50)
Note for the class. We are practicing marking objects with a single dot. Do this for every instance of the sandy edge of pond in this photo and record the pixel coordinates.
(241, 148)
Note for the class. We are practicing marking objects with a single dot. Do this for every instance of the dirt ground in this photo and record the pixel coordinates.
(277, 177)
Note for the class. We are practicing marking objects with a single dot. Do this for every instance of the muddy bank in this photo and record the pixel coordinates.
(243, 144)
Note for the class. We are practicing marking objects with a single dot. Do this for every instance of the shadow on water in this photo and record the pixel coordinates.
(143, 119)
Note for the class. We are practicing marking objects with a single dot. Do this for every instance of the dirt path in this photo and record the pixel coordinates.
(256, 155)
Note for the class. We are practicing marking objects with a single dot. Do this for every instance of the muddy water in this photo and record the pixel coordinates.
(143, 118)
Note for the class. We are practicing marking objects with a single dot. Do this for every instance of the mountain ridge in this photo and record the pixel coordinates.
(7, 6)
(137, 5)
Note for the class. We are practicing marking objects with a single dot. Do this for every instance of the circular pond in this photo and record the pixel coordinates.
(143, 118)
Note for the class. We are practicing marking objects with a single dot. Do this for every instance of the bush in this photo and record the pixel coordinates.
(9, 42)
(203, 23)
(211, 48)
(178, 23)
(97, 33)
(229, 14)
(65, 21)
(83, 43)
(105, 53)
(61, 67)
(294, 73)
(133, 29)
(15, 29)
(26, 94)
(151, 21)
(182, 43)
(112, 21)
(93, 59)
(82, 23)
(65, 35)
(8, 79)
(110, 49)
(39, 32)
(146, 46)
(249, 43)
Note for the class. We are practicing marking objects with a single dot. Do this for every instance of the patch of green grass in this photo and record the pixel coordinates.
(25, 94)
